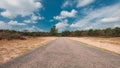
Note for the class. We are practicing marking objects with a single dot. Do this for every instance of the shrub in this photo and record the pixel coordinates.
(8, 36)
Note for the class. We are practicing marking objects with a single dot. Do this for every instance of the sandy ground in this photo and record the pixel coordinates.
(111, 44)
(14, 48)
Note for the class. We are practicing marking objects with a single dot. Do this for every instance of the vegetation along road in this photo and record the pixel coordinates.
(65, 53)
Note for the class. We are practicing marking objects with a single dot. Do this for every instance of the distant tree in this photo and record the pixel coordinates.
(53, 31)
(77, 33)
(66, 33)
(116, 32)
(84, 33)
(11, 31)
(108, 32)
(91, 32)
(25, 30)
(97, 32)
(102, 33)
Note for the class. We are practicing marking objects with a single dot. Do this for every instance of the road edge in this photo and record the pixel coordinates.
(102, 49)
(42, 45)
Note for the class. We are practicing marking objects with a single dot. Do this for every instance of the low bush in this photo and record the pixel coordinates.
(8, 36)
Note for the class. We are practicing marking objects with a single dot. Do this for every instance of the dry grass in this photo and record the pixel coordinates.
(14, 48)
(111, 40)
(111, 44)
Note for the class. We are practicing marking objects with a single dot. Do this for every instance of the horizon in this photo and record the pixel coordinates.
(66, 15)
(57, 30)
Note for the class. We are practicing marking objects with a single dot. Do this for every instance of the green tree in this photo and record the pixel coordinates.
(90, 32)
(77, 33)
(84, 33)
(66, 33)
(116, 32)
(108, 32)
(53, 31)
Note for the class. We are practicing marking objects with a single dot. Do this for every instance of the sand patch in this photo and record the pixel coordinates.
(111, 44)
(14, 48)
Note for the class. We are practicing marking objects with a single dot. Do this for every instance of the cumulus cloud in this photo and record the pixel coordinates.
(13, 8)
(66, 14)
(32, 29)
(69, 14)
(63, 22)
(61, 26)
(4, 25)
(23, 8)
(33, 19)
(14, 23)
(99, 18)
(11, 25)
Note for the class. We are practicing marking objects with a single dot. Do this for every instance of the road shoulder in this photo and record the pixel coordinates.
(96, 47)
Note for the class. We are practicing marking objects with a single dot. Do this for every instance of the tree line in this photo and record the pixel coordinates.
(108, 32)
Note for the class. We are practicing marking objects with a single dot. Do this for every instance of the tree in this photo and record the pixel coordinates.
(84, 33)
(66, 33)
(90, 32)
(108, 32)
(53, 31)
(77, 33)
(116, 32)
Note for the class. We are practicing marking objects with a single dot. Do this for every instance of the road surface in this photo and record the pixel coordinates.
(65, 53)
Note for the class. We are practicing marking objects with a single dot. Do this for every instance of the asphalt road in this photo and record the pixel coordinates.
(65, 53)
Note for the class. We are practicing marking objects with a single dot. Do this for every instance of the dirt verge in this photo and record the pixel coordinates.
(111, 44)
(10, 49)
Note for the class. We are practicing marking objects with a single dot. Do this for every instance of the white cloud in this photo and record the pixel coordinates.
(61, 26)
(32, 29)
(67, 3)
(58, 17)
(109, 15)
(13, 8)
(20, 26)
(11, 25)
(78, 3)
(6, 13)
(33, 19)
(41, 18)
(4, 25)
(111, 19)
(28, 21)
(81, 3)
(66, 14)
(14, 23)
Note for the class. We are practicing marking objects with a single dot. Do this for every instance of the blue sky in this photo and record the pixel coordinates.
(41, 15)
